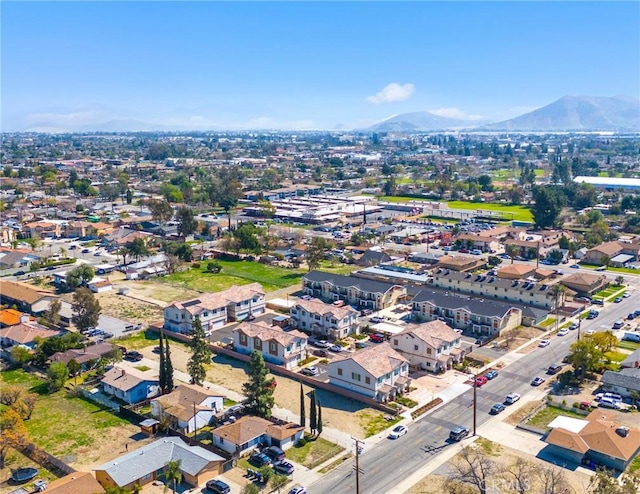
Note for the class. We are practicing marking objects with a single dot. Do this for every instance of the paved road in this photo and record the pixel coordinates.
(390, 461)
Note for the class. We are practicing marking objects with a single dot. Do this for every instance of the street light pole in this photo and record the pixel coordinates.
(475, 388)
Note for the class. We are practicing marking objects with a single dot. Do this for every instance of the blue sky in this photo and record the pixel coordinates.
(210, 65)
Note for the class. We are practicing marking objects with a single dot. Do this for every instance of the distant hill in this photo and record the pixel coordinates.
(578, 113)
(421, 121)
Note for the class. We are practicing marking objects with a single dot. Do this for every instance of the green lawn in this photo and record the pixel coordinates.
(139, 340)
(628, 345)
(374, 422)
(314, 452)
(547, 322)
(545, 416)
(614, 356)
(510, 212)
(61, 425)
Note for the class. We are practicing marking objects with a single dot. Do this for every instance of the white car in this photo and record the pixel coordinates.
(589, 332)
(512, 398)
(544, 343)
(626, 294)
(399, 430)
(563, 332)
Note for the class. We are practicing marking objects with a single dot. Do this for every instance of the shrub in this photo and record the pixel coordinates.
(301, 442)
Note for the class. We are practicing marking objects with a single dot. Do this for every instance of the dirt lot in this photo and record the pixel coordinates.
(504, 457)
(349, 416)
(163, 292)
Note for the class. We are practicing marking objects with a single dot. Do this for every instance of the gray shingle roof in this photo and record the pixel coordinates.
(478, 306)
(152, 457)
(342, 281)
(626, 378)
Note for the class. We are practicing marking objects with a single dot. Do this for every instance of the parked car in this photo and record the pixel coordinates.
(492, 374)
(218, 487)
(86, 251)
(275, 453)
(481, 381)
(584, 405)
(259, 460)
(298, 490)
(283, 468)
(563, 332)
(497, 408)
(554, 369)
(618, 324)
(574, 326)
(512, 398)
(574, 266)
(310, 371)
(544, 343)
(321, 353)
(398, 431)
(631, 316)
(376, 320)
(626, 294)
(458, 433)
(323, 344)
(537, 381)
(366, 312)
(376, 338)
(597, 301)
(617, 300)
(336, 348)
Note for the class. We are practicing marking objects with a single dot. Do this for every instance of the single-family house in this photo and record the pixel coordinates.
(279, 347)
(248, 432)
(363, 292)
(24, 334)
(189, 407)
(597, 441)
(130, 385)
(325, 320)
(461, 263)
(378, 371)
(215, 309)
(585, 284)
(625, 382)
(11, 317)
(146, 464)
(26, 298)
(100, 285)
(632, 360)
(88, 355)
(75, 483)
(432, 346)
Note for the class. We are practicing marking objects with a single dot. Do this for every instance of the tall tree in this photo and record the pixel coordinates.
(57, 375)
(228, 196)
(52, 314)
(79, 276)
(137, 248)
(512, 250)
(13, 433)
(259, 388)
(313, 413)
(86, 309)
(74, 368)
(187, 223)
(315, 252)
(319, 422)
(173, 474)
(168, 365)
(200, 354)
(584, 356)
(303, 413)
(161, 211)
(474, 467)
(547, 207)
(162, 377)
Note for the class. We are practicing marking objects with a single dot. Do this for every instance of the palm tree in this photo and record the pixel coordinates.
(512, 250)
(173, 474)
(557, 291)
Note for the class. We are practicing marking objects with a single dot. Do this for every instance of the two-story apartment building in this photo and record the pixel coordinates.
(363, 292)
(215, 309)
(285, 348)
(378, 371)
(618, 253)
(461, 263)
(324, 320)
(481, 316)
(536, 294)
(432, 346)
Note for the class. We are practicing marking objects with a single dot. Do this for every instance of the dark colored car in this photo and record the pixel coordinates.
(86, 251)
(497, 408)
(554, 369)
(133, 355)
(19, 273)
(321, 353)
(218, 486)
(459, 433)
(259, 460)
(284, 468)
(274, 453)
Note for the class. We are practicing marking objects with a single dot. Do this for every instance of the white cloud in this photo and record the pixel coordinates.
(69, 120)
(393, 92)
(455, 113)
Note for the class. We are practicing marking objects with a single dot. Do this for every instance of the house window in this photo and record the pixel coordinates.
(243, 339)
(415, 347)
(273, 348)
(257, 344)
(355, 376)
(339, 371)
(395, 342)
(367, 380)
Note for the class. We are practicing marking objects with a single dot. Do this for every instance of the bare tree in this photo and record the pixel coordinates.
(171, 263)
(450, 486)
(553, 481)
(474, 467)
(522, 472)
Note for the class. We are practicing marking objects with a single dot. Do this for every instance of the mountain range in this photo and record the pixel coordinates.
(569, 113)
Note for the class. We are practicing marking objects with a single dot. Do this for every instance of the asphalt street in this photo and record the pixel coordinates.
(390, 461)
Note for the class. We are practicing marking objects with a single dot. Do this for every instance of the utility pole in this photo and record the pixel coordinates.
(359, 444)
(475, 388)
